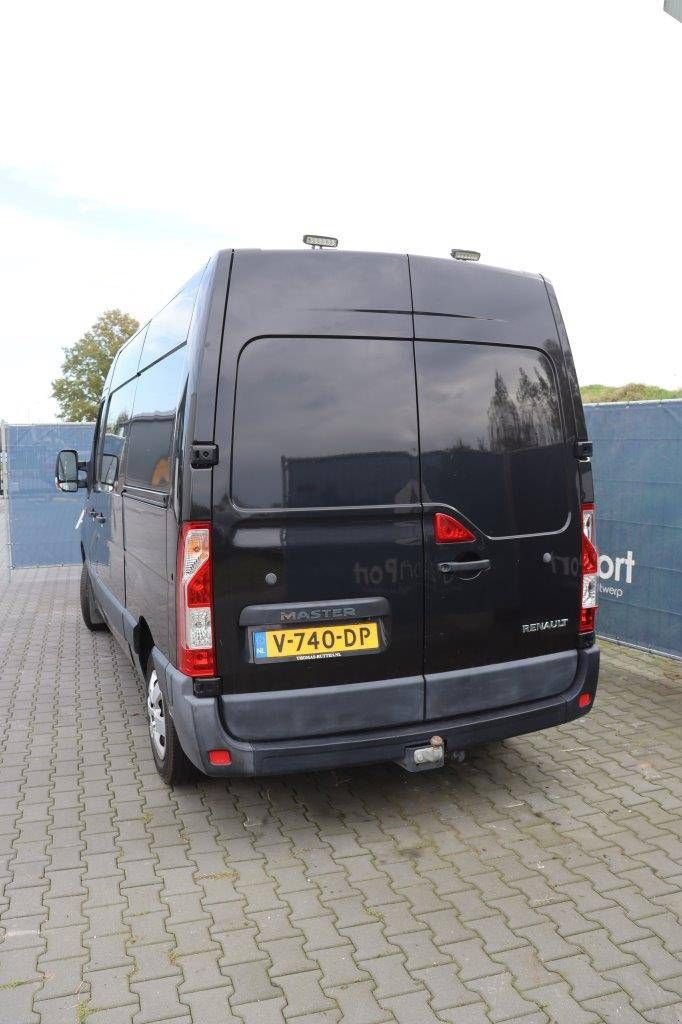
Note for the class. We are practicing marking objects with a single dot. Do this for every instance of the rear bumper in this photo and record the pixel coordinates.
(200, 729)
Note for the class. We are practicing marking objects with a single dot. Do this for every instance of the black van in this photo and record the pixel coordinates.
(339, 511)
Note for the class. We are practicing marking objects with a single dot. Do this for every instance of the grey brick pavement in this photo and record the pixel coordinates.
(540, 881)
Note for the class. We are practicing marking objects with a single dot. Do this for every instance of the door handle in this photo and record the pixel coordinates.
(100, 518)
(478, 566)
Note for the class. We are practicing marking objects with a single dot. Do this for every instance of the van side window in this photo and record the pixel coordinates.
(170, 326)
(151, 429)
(128, 359)
(325, 422)
(119, 411)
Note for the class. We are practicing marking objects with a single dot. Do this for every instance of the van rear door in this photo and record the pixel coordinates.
(497, 459)
(318, 547)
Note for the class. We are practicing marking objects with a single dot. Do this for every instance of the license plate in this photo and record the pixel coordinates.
(306, 644)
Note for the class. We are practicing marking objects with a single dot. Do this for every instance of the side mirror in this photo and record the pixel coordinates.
(66, 471)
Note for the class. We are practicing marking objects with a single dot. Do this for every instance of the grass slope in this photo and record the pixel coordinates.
(626, 393)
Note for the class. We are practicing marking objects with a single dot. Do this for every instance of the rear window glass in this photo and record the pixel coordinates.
(487, 398)
(325, 423)
(490, 423)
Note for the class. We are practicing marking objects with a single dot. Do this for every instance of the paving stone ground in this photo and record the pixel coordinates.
(539, 881)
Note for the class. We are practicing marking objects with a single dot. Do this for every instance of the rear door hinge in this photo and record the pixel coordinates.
(582, 449)
(203, 456)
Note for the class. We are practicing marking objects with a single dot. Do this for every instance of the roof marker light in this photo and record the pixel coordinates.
(465, 254)
(320, 241)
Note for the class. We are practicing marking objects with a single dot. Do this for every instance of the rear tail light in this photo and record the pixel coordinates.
(589, 566)
(448, 530)
(194, 601)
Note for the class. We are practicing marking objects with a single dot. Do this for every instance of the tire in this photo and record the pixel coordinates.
(89, 610)
(170, 759)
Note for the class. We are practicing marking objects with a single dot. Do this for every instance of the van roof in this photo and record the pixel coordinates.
(351, 292)
(477, 268)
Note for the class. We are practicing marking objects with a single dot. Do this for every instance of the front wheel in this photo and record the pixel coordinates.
(172, 763)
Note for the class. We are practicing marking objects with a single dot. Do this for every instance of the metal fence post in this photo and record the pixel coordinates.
(5, 548)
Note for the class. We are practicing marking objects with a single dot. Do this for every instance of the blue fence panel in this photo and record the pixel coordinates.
(42, 519)
(638, 488)
(638, 483)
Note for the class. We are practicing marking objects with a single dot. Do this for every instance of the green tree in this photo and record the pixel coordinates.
(86, 364)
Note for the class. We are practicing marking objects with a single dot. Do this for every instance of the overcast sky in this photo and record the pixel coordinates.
(137, 138)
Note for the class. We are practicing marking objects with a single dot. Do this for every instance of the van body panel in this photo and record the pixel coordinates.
(326, 504)
(204, 344)
(501, 685)
(110, 504)
(461, 301)
(317, 293)
(572, 385)
(323, 710)
(147, 586)
(93, 538)
(334, 558)
(310, 612)
(524, 605)
(111, 609)
(497, 436)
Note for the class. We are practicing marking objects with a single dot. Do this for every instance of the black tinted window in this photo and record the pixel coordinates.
(486, 398)
(170, 326)
(325, 422)
(113, 440)
(490, 425)
(151, 429)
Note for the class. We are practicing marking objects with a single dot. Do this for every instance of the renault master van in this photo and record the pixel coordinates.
(339, 511)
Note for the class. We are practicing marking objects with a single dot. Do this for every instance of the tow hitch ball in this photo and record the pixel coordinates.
(419, 759)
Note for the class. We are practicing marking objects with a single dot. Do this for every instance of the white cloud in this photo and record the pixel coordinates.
(543, 134)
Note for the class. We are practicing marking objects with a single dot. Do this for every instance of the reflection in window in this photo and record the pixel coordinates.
(486, 398)
(527, 416)
(325, 422)
(128, 359)
(151, 431)
(170, 326)
(115, 435)
(490, 423)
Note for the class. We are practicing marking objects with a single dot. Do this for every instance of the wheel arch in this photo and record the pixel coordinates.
(143, 642)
